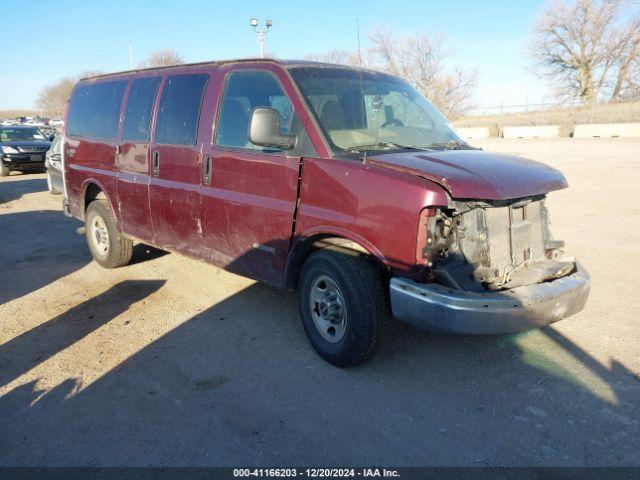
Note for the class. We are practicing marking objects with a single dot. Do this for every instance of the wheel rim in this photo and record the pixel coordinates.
(328, 309)
(99, 235)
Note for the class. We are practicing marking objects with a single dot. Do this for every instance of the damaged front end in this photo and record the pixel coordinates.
(491, 267)
(480, 246)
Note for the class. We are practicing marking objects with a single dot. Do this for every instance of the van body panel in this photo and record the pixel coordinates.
(90, 162)
(133, 190)
(174, 198)
(247, 209)
(174, 185)
(376, 208)
(133, 167)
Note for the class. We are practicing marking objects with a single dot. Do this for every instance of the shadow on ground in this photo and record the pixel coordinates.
(24, 352)
(15, 189)
(38, 247)
(225, 389)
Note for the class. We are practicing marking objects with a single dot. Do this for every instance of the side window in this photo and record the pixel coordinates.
(179, 109)
(95, 110)
(244, 91)
(137, 116)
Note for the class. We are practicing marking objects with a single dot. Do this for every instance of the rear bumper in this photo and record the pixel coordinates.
(441, 309)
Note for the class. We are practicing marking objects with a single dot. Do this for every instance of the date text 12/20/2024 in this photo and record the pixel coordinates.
(316, 472)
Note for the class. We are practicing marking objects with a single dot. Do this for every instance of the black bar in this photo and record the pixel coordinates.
(404, 473)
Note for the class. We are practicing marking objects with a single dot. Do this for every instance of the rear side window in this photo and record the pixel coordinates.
(244, 91)
(179, 110)
(95, 110)
(137, 116)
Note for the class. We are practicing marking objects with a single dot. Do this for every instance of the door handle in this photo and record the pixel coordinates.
(156, 163)
(206, 169)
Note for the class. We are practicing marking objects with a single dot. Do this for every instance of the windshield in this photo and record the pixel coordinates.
(20, 134)
(371, 111)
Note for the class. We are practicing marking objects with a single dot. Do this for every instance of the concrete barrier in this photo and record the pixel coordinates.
(472, 133)
(607, 130)
(545, 131)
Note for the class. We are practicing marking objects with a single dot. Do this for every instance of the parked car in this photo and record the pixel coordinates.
(23, 148)
(346, 185)
(49, 131)
(34, 123)
(53, 164)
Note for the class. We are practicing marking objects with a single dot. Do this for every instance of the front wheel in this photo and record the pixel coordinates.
(106, 243)
(342, 306)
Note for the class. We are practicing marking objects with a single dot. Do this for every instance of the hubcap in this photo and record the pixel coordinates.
(328, 309)
(99, 235)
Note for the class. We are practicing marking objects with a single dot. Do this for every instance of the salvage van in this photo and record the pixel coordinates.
(346, 185)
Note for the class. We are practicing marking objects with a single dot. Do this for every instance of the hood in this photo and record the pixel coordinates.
(476, 174)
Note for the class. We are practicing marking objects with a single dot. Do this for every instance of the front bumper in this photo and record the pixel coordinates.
(23, 160)
(441, 309)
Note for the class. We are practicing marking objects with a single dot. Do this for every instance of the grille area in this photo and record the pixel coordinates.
(502, 238)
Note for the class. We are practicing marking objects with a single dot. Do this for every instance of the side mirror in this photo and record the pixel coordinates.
(264, 129)
(51, 137)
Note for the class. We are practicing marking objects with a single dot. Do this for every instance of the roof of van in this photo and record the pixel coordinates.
(284, 63)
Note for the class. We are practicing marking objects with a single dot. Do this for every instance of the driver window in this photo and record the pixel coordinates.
(244, 91)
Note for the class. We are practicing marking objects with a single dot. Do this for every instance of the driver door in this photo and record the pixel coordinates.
(249, 198)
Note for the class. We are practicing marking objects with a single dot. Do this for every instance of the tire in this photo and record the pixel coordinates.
(345, 288)
(4, 170)
(107, 245)
(50, 186)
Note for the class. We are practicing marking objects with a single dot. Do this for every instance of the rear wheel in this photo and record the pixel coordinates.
(106, 243)
(342, 305)
(4, 170)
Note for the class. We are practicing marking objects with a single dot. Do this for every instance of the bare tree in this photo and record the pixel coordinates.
(52, 99)
(338, 57)
(632, 85)
(423, 62)
(581, 47)
(163, 58)
(628, 62)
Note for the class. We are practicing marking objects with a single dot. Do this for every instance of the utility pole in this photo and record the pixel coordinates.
(262, 33)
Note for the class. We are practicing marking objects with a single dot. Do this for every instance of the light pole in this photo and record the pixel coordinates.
(262, 33)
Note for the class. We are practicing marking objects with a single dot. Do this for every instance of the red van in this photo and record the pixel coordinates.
(347, 185)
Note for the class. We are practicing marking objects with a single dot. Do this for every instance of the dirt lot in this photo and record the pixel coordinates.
(170, 361)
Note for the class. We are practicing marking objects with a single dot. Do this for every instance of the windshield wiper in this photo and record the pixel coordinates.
(452, 145)
(380, 146)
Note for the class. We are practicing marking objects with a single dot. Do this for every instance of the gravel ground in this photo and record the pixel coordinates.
(170, 361)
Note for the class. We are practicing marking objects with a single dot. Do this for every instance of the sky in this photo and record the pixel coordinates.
(45, 40)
